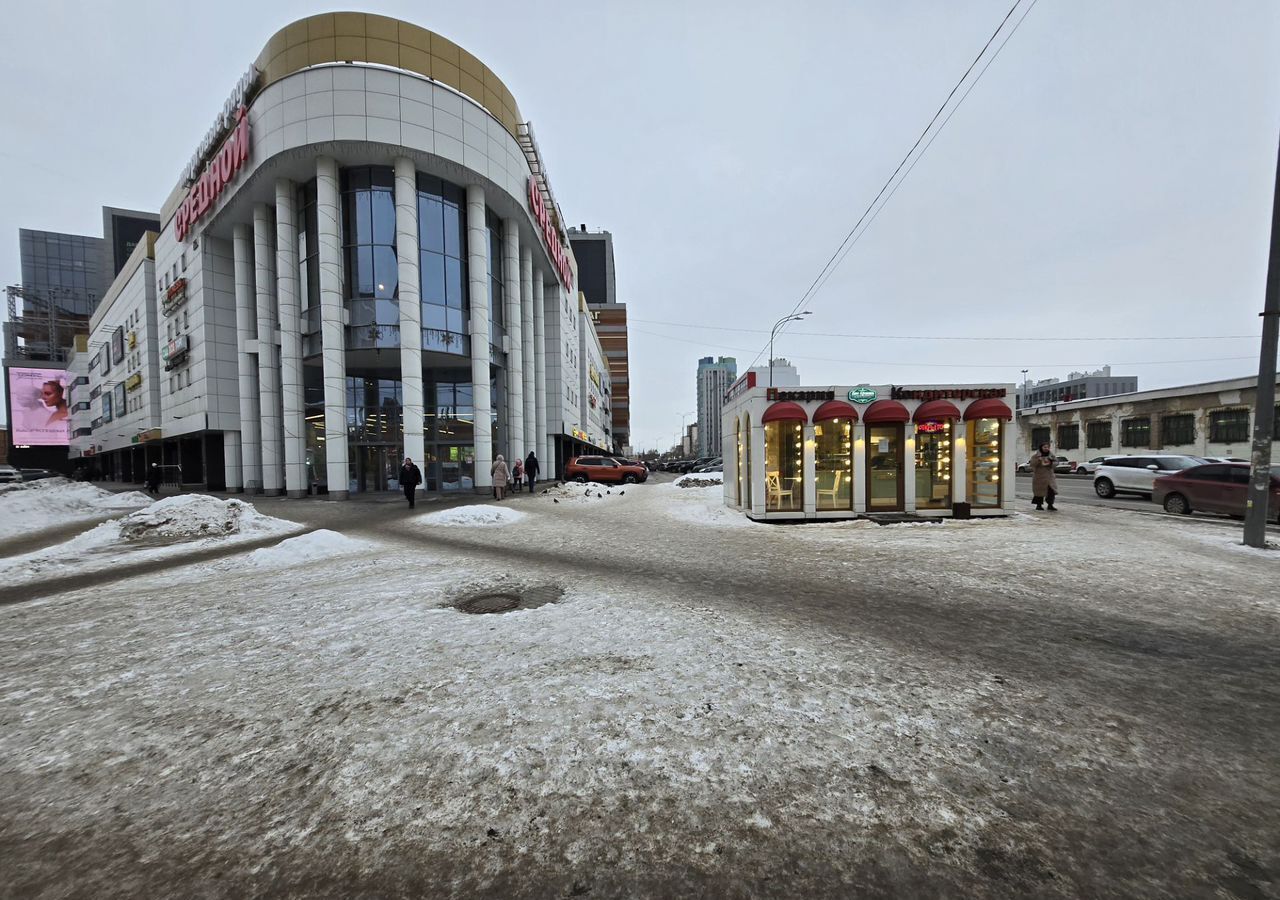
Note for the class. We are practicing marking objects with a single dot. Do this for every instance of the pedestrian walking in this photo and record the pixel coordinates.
(531, 469)
(410, 478)
(517, 475)
(501, 475)
(1044, 481)
(153, 480)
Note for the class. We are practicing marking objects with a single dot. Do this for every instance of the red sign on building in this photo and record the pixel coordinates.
(224, 165)
(559, 255)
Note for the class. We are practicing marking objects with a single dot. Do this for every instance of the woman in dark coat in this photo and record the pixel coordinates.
(410, 478)
(1044, 483)
(531, 469)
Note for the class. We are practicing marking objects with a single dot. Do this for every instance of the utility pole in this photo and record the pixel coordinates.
(1264, 411)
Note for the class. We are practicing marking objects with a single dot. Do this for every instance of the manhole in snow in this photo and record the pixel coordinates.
(506, 601)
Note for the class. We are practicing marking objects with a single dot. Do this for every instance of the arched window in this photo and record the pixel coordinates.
(784, 457)
(833, 454)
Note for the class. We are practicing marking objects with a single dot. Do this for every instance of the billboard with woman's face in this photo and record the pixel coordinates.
(39, 407)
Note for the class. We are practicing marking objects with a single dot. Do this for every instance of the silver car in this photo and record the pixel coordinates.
(1137, 474)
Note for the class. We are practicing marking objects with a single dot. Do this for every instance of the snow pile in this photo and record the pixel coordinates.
(700, 479)
(192, 516)
(702, 504)
(316, 545)
(591, 492)
(476, 516)
(53, 502)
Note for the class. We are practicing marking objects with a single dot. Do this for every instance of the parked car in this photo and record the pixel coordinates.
(1064, 466)
(1088, 468)
(9, 475)
(1225, 459)
(1137, 474)
(37, 474)
(603, 470)
(714, 465)
(634, 463)
(1216, 488)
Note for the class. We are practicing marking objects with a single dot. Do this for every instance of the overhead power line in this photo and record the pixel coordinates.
(952, 337)
(837, 257)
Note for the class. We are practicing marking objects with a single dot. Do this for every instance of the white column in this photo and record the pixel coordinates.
(246, 332)
(293, 404)
(515, 334)
(410, 311)
(859, 485)
(528, 351)
(540, 377)
(231, 465)
(759, 495)
(264, 264)
(1008, 466)
(960, 462)
(809, 470)
(332, 328)
(909, 467)
(478, 294)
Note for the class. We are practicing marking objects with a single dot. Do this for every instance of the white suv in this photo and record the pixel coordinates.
(1137, 474)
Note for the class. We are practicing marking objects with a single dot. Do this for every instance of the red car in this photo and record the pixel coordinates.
(1216, 488)
(603, 470)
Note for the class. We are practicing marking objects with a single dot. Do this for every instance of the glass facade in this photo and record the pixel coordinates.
(442, 265)
(884, 467)
(933, 465)
(784, 466)
(497, 308)
(984, 462)
(833, 463)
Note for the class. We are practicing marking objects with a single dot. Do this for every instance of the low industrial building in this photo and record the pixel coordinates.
(1210, 419)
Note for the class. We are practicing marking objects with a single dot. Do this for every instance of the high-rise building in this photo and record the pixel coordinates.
(714, 378)
(784, 374)
(1076, 386)
(594, 252)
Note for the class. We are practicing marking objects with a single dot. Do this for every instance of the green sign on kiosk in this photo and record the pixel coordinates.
(862, 394)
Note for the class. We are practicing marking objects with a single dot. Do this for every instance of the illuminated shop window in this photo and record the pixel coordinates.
(933, 465)
(784, 466)
(984, 462)
(833, 464)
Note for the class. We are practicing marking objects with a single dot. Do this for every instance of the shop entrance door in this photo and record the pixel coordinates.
(377, 468)
(884, 468)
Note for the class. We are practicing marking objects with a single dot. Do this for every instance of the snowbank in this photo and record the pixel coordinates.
(317, 545)
(576, 492)
(476, 516)
(700, 479)
(53, 502)
(702, 505)
(172, 526)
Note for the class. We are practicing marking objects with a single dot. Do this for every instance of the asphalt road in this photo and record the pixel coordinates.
(1078, 490)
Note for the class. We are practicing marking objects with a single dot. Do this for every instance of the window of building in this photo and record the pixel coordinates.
(1041, 435)
(497, 311)
(1177, 431)
(1229, 426)
(833, 463)
(442, 270)
(933, 465)
(1069, 437)
(784, 466)
(984, 462)
(1135, 432)
(1098, 434)
(369, 253)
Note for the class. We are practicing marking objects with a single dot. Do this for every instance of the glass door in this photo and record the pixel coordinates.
(884, 468)
(933, 465)
(984, 462)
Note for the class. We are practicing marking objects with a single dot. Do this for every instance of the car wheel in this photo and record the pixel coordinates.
(581, 479)
(1104, 488)
(1177, 504)
(629, 479)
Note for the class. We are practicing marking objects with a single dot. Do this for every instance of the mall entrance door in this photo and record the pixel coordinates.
(376, 467)
(884, 468)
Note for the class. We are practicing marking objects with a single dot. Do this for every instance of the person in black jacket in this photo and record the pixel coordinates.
(153, 479)
(410, 478)
(531, 469)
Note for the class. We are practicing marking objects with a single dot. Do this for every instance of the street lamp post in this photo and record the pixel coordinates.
(795, 317)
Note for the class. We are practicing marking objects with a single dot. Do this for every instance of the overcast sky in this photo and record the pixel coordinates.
(1110, 176)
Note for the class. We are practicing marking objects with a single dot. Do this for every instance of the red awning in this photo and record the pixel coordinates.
(936, 409)
(785, 412)
(988, 408)
(886, 412)
(835, 409)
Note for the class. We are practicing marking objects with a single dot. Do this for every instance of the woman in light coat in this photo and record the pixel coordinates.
(501, 475)
(1044, 482)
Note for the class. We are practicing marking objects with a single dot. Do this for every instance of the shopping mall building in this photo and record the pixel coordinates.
(838, 452)
(362, 261)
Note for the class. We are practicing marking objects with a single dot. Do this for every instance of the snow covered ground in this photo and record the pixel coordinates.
(51, 502)
(1035, 706)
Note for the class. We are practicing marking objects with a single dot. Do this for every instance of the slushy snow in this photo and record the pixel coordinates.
(53, 502)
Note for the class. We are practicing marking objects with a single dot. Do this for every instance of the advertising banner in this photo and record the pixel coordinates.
(40, 407)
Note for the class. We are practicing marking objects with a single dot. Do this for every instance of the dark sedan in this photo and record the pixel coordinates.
(1215, 488)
